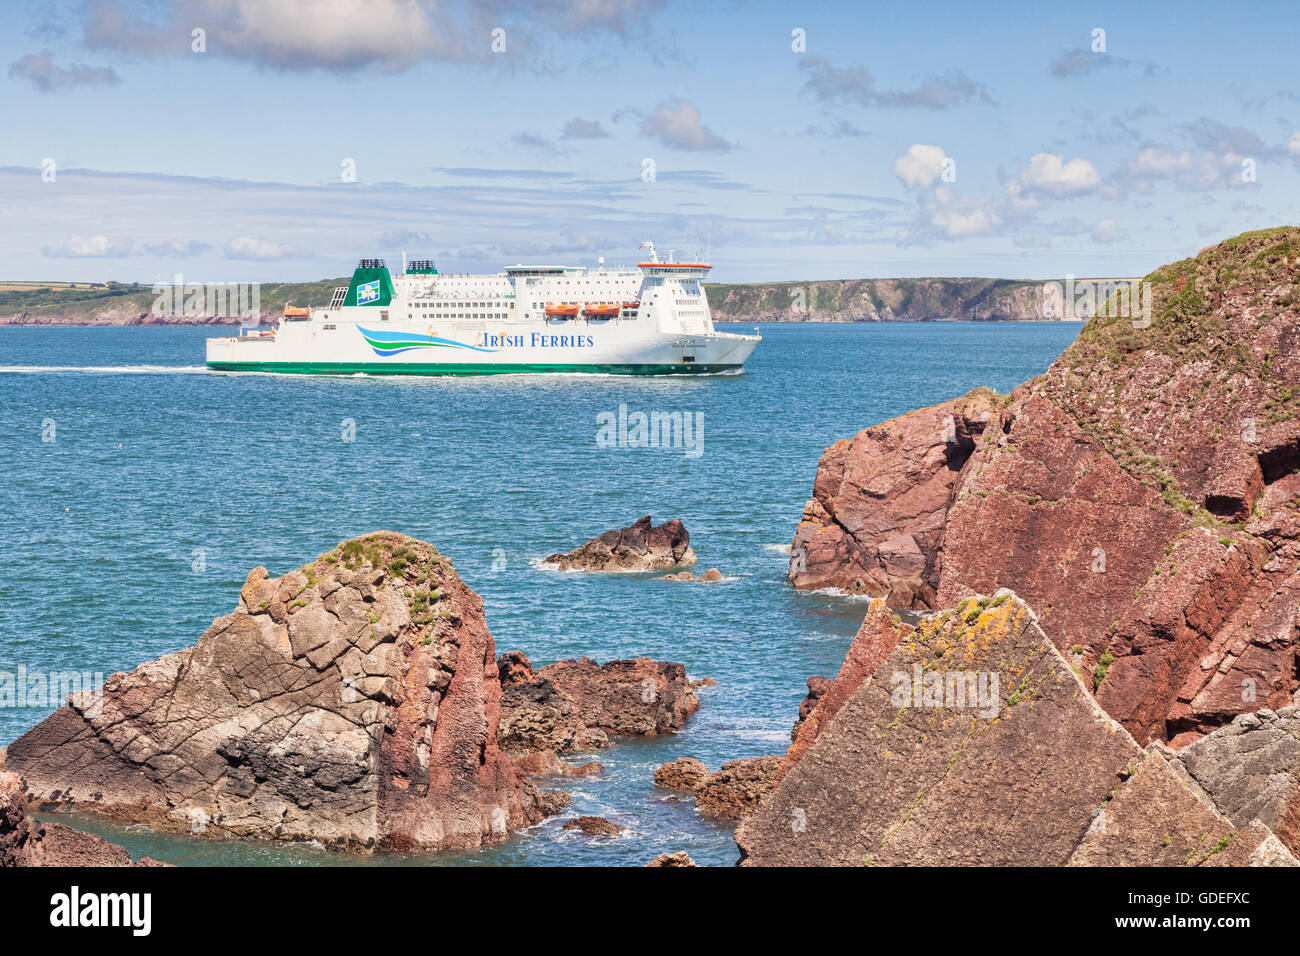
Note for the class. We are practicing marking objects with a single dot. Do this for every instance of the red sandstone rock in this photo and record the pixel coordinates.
(684, 774)
(974, 742)
(638, 697)
(1139, 495)
(354, 701)
(27, 842)
(875, 641)
(544, 763)
(574, 705)
(513, 667)
(736, 790)
(879, 502)
(679, 858)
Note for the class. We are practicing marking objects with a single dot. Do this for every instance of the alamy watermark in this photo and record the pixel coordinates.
(980, 691)
(672, 430)
(1109, 298)
(41, 689)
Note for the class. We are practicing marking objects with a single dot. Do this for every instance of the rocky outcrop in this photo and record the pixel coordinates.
(545, 763)
(876, 639)
(974, 742)
(638, 547)
(1156, 819)
(1251, 770)
(735, 790)
(354, 701)
(817, 688)
(574, 705)
(28, 842)
(684, 774)
(680, 858)
(879, 300)
(631, 698)
(537, 717)
(880, 501)
(1140, 495)
(593, 826)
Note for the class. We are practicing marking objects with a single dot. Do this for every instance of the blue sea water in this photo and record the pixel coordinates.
(163, 484)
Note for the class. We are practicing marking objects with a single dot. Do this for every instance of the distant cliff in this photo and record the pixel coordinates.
(842, 300)
(119, 303)
(878, 300)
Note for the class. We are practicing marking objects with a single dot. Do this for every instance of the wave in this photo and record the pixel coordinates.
(105, 369)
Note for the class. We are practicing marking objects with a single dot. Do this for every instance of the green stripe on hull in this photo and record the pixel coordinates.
(458, 368)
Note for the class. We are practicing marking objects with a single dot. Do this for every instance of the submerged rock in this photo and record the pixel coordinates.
(594, 826)
(638, 547)
(354, 701)
(968, 739)
(1139, 495)
(708, 577)
(544, 763)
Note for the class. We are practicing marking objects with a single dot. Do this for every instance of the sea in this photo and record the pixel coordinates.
(140, 488)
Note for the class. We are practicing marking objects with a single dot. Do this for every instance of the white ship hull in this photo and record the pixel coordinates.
(653, 320)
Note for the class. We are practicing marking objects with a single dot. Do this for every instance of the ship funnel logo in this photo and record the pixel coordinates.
(368, 292)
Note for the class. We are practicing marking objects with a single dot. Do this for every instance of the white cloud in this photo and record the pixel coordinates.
(177, 248)
(287, 34)
(943, 214)
(355, 34)
(856, 85)
(1051, 174)
(40, 70)
(676, 123)
(1157, 161)
(1293, 147)
(258, 250)
(1107, 231)
(579, 128)
(920, 166)
(88, 247)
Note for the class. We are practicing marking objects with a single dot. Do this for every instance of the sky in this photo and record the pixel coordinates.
(281, 140)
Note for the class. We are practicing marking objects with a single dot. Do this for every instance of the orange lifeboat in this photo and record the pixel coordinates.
(293, 312)
(632, 305)
(601, 310)
(561, 310)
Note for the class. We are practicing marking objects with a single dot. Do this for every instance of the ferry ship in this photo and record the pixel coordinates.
(650, 320)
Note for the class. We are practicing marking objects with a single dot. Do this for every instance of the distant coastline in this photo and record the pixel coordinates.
(842, 300)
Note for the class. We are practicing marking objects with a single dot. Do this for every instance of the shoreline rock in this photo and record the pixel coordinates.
(914, 761)
(680, 858)
(27, 842)
(354, 701)
(593, 826)
(1138, 495)
(638, 547)
(576, 705)
(685, 774)
(737, 789)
